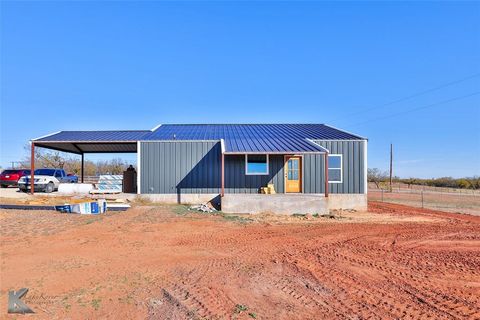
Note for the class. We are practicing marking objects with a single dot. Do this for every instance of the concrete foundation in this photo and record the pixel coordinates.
(347, 201)
(275, 203)
(292, 203)
(182, 198)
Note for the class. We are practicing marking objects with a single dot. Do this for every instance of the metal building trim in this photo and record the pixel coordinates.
(139, 160)
(47, 135)
(156, 127)
(351, 133)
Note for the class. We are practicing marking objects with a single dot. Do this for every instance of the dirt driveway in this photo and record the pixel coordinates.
(166, 263)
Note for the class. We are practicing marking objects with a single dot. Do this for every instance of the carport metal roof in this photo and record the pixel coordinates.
(123, 141)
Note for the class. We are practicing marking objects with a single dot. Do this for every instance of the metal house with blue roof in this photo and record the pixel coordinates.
(311, 167)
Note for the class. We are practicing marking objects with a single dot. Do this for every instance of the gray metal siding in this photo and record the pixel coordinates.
(194, 167)
(180, 167)
(237, 182)
(353, 168)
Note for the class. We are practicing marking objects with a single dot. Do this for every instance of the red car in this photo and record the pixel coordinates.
(10, 177)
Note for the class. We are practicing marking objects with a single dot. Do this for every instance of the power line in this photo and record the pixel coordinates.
(411, 96)
(418, 108)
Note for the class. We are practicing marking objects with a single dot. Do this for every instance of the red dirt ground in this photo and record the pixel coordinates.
(166, 263)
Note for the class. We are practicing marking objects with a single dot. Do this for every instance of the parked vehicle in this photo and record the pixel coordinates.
(73, 178)
(10, 177)
(46, 180)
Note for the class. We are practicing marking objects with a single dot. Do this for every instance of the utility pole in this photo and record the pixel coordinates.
(391, 166)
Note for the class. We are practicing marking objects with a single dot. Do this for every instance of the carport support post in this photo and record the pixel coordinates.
(83, 166)
(326, 174)
(32, 169)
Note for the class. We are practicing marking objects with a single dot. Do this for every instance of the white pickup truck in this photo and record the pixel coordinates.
(46, 180)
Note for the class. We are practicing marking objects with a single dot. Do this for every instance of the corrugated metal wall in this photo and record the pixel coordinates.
(353, 168)
(180, 167)
(194, 167)
(237, 182)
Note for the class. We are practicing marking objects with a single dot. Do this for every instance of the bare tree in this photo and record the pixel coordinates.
(45, 158)
(376, 176)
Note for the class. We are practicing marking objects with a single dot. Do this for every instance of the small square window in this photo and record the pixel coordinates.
(256, 164)
(335, 168)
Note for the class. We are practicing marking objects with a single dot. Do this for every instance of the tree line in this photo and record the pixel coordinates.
(381, 178)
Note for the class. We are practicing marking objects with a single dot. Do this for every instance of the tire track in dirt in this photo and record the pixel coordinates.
(463, 308)
(397, 278)
(192, 300)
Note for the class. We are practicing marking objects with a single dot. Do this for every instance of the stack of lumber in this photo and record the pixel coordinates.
(109, 183)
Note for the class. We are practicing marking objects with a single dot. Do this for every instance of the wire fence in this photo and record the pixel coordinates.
(90, 179)
(399, 187)
(444, 201)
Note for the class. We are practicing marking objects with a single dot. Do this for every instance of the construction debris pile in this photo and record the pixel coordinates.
(204, 207)
(90, 207)
(93, 206)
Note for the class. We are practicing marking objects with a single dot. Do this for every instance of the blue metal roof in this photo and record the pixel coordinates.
(95, 136)
(238, 138)
(251, 138)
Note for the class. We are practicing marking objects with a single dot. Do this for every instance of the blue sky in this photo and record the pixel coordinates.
(133, 65)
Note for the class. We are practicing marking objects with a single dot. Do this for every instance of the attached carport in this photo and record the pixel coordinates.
(83, 142)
